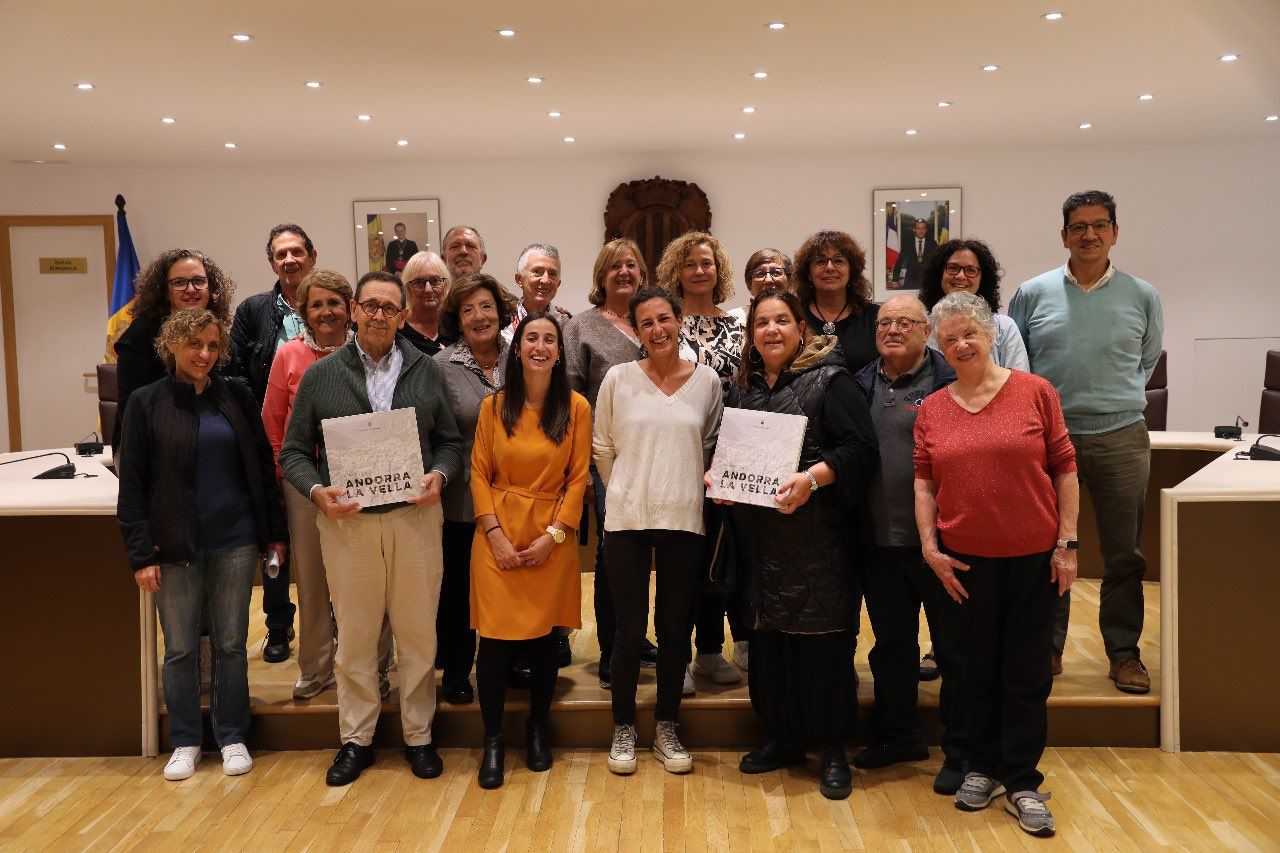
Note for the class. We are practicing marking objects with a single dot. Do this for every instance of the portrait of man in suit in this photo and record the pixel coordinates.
(914, 253)
(400, 250)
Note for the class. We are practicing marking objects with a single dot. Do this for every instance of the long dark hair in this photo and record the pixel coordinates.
(555, 408)
(988, 287)
(751, 360)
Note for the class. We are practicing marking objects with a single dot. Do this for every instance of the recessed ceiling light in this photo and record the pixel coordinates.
(739, 136)
(991, 68)
(534, 79)
(228, 145)
(167, 120)
(760, 75)
(402, 142)
(1229, 57)
(242, 37)
(507, 33)
(1273, 118)
(1052, 16)
(58, 146)
(554, 114)
(748, 110)
(912, 132)
(364, 117)
(1146, 97)
(314, 84)
(1085, 125)
(568, 139)
(84, 86)
(944, 104)
(778, 25)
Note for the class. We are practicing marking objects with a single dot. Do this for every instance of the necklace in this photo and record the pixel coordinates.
(829, 326)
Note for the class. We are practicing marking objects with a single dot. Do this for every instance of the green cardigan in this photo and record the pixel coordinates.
(334, 387)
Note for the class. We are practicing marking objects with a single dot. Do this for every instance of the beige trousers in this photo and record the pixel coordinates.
(385, 563)
(316, 628)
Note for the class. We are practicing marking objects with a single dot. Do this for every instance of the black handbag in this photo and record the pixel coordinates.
(720, 559)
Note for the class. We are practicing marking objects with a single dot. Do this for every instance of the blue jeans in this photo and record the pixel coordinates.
(218, 583)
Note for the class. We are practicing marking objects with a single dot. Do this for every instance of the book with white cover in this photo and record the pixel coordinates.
(756, 453)
(377, 457)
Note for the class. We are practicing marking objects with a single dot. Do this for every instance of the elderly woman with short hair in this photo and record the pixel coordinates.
(832, 284)
(769, 269)
(197, 505)
(996, 504)
(426, 280)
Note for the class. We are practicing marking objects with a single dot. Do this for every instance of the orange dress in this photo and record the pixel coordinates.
(528, 482)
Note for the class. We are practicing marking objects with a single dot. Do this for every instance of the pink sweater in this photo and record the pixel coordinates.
(994, 470)
(291, 361)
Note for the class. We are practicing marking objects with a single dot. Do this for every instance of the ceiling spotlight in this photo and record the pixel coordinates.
(778, 25)
(991, 68)
(402, 142)
(314, 84)
(1145, 97)
(944, 104)
(1086, 125)
(1052, 16)
(167, 120)
(912, 132)
(1229, 57)
(534, 79)
(739, 136)
(364, 117)
(1273, 118)
(760, 75)
(228, 145)
(507, 33)
(568, 139)
(748, 110)
(84, 86)
(58, 146)
(242, 37)
(554, 114)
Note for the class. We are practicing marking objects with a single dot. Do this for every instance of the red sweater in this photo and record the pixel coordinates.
(291, 361)
(994, 470)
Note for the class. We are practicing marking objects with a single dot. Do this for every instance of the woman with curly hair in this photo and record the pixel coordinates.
(832, 285)
(969, 266)
(174, 280)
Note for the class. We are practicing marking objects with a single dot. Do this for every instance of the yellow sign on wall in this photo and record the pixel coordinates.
(64, 266)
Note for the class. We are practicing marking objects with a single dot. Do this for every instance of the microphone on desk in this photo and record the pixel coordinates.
(58, 472)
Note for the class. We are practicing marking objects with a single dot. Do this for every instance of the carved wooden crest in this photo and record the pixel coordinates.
(655, 211)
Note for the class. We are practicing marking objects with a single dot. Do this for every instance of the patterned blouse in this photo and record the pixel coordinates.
(715, 341)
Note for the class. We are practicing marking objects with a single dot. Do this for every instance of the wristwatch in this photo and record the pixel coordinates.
(813, 481)
(556, 534)
(1069, 544)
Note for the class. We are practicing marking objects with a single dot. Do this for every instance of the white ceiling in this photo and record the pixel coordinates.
(648, 76)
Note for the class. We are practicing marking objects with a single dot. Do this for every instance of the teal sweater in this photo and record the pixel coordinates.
(334, 387)
(1097, 348)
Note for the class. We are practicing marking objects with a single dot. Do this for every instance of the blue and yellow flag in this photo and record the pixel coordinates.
(122, 292)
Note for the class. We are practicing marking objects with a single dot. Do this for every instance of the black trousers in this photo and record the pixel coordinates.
(606, 619)
(709, 611)
(803, 685)
(1009, 618)
(676, 557)
(455, 638)
(276, 606)
(896, 583)
(493, 662)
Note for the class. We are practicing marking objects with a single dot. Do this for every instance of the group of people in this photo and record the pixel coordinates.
(940, 468)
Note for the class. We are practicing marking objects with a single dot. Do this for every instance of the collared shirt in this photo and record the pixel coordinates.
(380, 376)
(292, 325)
(893, 405)
(1101, 283)
(509, 333)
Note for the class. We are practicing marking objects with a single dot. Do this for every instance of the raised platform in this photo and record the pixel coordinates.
(1084, 710)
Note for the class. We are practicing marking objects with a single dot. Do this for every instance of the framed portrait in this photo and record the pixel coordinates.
(389, 233)
(908, 225)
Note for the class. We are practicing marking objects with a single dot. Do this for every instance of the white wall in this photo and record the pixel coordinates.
(1195, 219)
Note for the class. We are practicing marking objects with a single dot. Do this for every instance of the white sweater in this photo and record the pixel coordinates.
(652, 450)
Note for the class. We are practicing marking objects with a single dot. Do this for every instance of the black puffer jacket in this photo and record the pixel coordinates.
(254, 331)
(797, 570)
(156, 508)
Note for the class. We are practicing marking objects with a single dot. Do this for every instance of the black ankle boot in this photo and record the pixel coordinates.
(537, 755)
(492, 761)
(835, 781)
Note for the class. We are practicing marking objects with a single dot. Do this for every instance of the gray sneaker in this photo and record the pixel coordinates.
(311, 686)
(668, 749)
(977, 792)
(1033, 815)
(622, 754)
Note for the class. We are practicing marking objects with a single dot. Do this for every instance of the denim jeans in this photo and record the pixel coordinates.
(219, 583)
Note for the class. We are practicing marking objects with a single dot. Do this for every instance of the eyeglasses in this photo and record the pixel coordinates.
(837, 261)
(421, 283)
(902, 324)
(1102, 228)
(177, 285)
(956, 269)
(372, 308)
(763, 273)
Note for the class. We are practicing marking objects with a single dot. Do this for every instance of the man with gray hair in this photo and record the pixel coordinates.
(896, 581)
(538, 277)
(464, 252)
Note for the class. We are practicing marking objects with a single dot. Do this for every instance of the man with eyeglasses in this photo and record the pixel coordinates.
(383, 559)
(1096, 334)
(896, 581)
(262, 323)
(913, 257)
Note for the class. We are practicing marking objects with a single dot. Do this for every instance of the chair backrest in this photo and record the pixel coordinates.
(108, 402)
(1157, 411)
(1269, 417)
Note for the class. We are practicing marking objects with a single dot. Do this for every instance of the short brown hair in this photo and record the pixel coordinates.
(609, 253)
(770, 256)
(462, 290)
(673, 258)
(811, 249)
(184, 326)
(151, 287)
(334, 282)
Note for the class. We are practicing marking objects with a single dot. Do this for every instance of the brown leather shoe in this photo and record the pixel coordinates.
(1130, 676)
(1057, 663)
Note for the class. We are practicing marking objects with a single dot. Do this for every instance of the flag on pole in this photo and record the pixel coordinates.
(891, 245)
(122, 291)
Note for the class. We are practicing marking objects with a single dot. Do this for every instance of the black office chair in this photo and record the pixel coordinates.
(1157, 411)
(1269, 417)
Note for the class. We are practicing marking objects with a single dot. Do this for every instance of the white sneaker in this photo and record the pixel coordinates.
(311, 686)
(182, 764)
(715, 667)
(622, 754)
(740, 649)
(668, 749)
(688, 689)
(206, 663)
(236, 760)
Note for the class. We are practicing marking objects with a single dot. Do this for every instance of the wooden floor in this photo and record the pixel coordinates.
(1084, 681)
(1103, 799)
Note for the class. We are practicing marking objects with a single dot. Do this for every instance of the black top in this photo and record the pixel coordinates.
(137, 364)
(224, 514)
(254, 332)
(423, 343)
(856, 333)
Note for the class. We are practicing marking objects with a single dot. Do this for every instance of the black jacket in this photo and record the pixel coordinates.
(254, 331)
(137, 364)
(943, 375)
(156, 508)
(798, 569)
